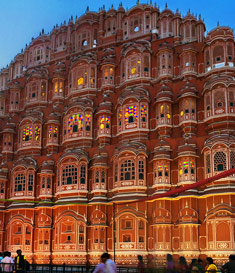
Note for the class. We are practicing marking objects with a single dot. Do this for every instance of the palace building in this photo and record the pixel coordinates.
(116, 106)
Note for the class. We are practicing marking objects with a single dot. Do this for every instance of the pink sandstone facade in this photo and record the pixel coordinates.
(112, 107)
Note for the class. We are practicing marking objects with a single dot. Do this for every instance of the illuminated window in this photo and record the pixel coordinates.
(75, 123)
(37, 132)
(120, 117)
(92, 75)
(80, 81)
(88, 122)
(131, 114)
(20, 182)
(128, 170)
(143, 112)
(56, 87)
(104, 122)
(27, 133)
(69, 175)
(43, 89)
(161, 170)
(53, 131)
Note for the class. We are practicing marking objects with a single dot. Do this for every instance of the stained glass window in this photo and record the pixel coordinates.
(131, 114)
(37, 132)
(120, 117)
(161, 169)
(75, 123)
(27, 133)
(53, 131)
(104, 122)
(88, 122)
(143, 112)
(80, 81)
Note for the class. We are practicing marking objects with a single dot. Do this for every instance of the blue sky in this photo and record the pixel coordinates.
(20, 20)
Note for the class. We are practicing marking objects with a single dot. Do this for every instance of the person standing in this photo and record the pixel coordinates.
(183, 267)
(7, 263)
(100, 268)
(210, 267)
(169, 263)
(140, 265)
(20, 262)
(110, 266)
(230, 266)
(199, 266)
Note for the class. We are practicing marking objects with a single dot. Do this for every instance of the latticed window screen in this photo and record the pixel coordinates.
(128, 170)
(220, 161)
(141, 169)
(30, 182)
(232, 159)
(69, 175)
(20, 182)
(103, 177)
(116, 172)
(97, 177)
(83, 174)
(219, 99)
(208, 163)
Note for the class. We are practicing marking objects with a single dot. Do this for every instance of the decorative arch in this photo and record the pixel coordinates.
(72, 173)
(19, 234)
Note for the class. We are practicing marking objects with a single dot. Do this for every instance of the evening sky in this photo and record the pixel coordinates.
(20, 20)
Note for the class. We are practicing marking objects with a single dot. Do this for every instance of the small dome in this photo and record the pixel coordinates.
(100, 157)
(220, 32)
(165, 93)
(188, 90)
(187, 148)
(162, 150)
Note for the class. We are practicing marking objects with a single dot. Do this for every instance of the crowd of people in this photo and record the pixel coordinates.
(197, 265)
(107, 265)
(172, 266)
(9, 264)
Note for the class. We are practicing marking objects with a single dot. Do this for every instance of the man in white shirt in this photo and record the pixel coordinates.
(7, 264)
(110, 266)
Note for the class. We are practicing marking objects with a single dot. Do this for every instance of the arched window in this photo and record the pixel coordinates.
(187, 169)
(131, 114)
(127, 170)
(218, 55)
(220, 161)
(141, 170)
(38, 54)
(83, 174)
(208, 163)
(58, 87)
(69, 175)
(20, 183)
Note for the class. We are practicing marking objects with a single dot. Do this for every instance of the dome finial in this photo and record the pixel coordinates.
(166, 6)
(218, 24)
(137, 2)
